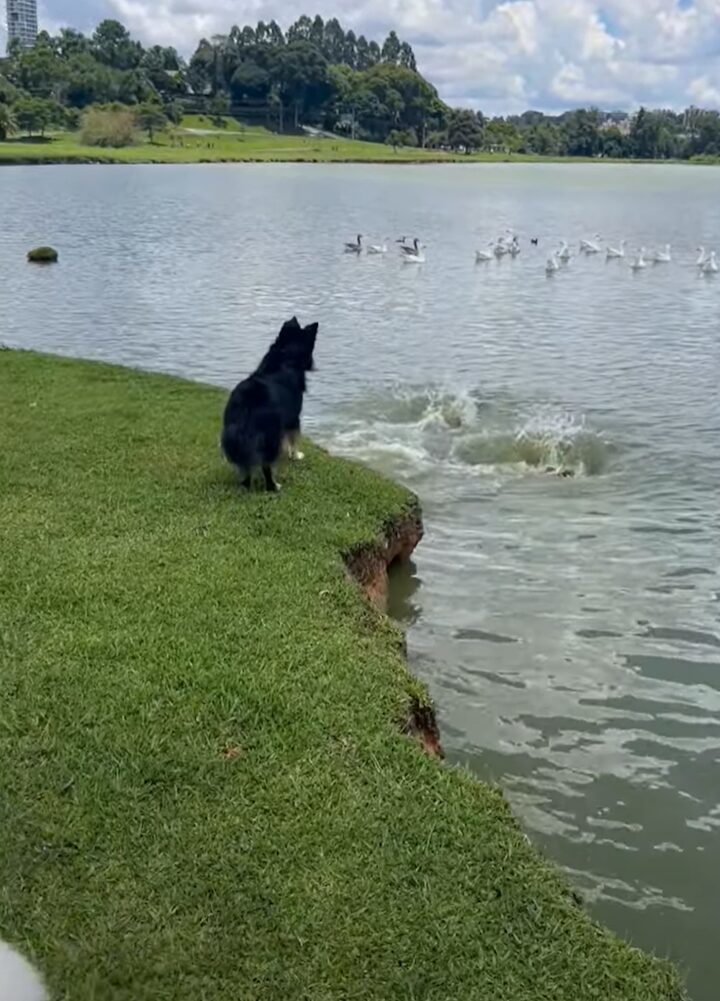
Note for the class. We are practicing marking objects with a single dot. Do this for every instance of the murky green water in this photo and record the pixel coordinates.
(569, 628)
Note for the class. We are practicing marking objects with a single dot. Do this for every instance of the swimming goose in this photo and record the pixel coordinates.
(612, 252)
(514, 248)
(564, 253)
(590, 246)
(354, 248)
(639, 262)
(414, 254)
(501, 248)
(381, 248)
(552, 265)
(483, 255)
(413, 249)
(702, 257)
(663, 256)
(710, 266)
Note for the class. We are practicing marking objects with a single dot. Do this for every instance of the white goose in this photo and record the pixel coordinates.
(702, 257)
(663, 256)
(354, 248)
(483, 255)
(514, 248)
(564, 253)
(501, 248)
(552, 265)
(614, 252)
(378, 248)
(710, 266)
(639, 263)
(590, 246)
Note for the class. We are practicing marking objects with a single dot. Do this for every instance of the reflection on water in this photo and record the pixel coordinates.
(562, 435)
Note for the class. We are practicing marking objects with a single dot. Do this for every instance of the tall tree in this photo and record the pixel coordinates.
(36, 114)
(71, 43)
(350, 50)
(464, 132)
(582, 132)
(334, 41)
(391, 49)
(363, 60)
(406, 57)
(302, 74)
(112, 45)
(250, 82)
(301, 30)
(151, 119)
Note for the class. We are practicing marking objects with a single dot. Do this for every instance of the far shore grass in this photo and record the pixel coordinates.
(205, 792)
(199, 140)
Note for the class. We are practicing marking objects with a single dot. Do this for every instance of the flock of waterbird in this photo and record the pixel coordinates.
(706, 263)
(412, 252)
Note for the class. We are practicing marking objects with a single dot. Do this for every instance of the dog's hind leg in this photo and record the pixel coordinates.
(270, 484)
(292, 449)
(245, 477)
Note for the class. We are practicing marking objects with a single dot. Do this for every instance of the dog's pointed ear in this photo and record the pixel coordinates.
(312, 329)
(289, 328)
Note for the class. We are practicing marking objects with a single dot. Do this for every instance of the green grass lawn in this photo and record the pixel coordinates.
(234, 143)
(205, 793)
(237, 143)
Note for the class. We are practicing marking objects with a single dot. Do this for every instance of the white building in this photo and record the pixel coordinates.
(22, 21)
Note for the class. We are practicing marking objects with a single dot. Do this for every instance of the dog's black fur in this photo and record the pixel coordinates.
(262, 415)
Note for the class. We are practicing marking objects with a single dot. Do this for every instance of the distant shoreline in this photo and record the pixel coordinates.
(193, 142)
(401, 160)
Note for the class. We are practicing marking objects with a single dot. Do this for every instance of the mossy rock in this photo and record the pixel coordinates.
(43, 255)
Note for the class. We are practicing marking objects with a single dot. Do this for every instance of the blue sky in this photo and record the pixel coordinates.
(502, 56)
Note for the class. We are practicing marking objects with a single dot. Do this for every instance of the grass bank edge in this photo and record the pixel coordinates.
(116, 813)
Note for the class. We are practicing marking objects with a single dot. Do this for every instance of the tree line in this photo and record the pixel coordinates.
(315, 73)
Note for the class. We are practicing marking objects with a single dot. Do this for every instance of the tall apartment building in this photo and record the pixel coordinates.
(22, 21)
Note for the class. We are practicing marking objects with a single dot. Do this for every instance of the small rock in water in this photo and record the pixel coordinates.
(43, 255)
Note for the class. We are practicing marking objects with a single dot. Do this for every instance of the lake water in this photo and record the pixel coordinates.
(568, 628)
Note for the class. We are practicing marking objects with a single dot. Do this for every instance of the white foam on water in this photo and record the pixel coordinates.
(413, 430)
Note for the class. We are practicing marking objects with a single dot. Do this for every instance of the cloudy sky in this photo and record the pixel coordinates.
(498, 56)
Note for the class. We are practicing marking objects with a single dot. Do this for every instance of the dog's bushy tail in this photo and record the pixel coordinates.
(240, 448)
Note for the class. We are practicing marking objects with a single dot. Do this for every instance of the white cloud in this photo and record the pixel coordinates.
(705, 92)
(500, 55)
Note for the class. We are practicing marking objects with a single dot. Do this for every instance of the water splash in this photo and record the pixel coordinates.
(422, 405)
(548, 441)
(414, 429)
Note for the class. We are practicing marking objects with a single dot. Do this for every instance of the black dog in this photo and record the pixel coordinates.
(262, 415)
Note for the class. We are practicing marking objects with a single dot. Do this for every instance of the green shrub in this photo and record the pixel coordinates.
(108, 127)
